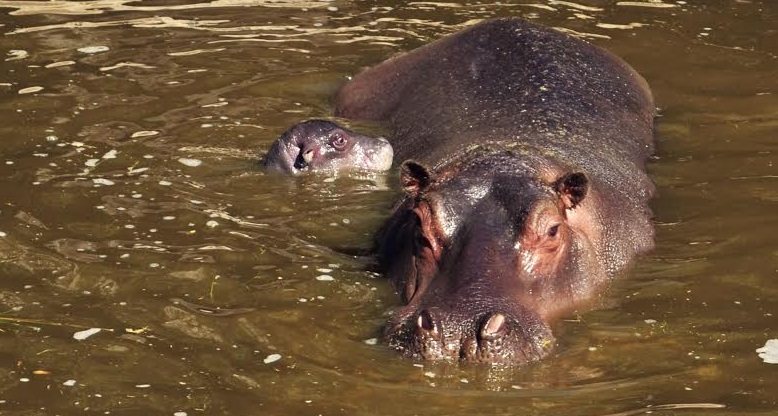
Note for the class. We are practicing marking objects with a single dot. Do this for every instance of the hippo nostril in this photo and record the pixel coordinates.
(426, 323)
(308, 156)
(494, 327)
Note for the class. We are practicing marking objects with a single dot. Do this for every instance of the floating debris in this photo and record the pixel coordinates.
(103, 181)
(190, 162)
(30, 90)
(144, 133)
(271, 358)
(111, 154)
(60, 63)
(194, 52)
(219, 104)
(371, 341)
(769, 353)
(216, 247)
(126, 64)
(575, 6)
(93, 49)
(633, 25)
(651, 3)
(82, 335)
(16, 54)
(69, 383)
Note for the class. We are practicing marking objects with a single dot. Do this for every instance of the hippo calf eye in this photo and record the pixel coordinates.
(338, 142)
(553, 231)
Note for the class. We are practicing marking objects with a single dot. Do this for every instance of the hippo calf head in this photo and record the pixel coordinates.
(485, 256)
(320, 145)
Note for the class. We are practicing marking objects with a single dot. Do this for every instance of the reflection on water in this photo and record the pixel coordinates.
(132, 202)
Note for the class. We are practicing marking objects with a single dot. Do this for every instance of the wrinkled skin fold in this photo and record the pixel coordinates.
(524, 179)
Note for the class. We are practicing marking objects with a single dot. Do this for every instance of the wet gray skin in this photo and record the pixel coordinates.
(514, 259)
(526, 190)
(320, 145)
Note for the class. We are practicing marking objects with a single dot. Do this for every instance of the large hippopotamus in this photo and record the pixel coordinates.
(524, 179)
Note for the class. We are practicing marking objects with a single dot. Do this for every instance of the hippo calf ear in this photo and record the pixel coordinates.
(572, 188)
(415, 177)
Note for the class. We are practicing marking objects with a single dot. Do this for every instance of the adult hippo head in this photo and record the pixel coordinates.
(320, 145)
(486, 256)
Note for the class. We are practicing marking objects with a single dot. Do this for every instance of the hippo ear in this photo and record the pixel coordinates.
(572, 188)
(415, 177)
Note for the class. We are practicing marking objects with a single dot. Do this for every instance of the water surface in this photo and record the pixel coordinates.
(130, 200)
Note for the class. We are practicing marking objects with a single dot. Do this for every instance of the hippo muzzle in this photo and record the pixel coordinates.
(511, 335)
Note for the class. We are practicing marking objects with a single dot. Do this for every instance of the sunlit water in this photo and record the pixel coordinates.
(131, 202)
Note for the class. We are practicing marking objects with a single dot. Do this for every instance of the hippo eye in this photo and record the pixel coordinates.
(553, 231)
(338, 142)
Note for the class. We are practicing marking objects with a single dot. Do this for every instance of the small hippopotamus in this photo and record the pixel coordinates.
(320, 145)
(525, 185)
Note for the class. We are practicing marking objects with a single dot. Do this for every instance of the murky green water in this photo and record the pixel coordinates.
(130, 201)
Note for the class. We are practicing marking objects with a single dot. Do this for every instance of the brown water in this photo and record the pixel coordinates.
(198, 274)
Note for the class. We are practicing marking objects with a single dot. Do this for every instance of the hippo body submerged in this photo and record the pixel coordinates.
(525, 186)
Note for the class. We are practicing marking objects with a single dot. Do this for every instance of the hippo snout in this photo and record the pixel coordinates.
(492, 336)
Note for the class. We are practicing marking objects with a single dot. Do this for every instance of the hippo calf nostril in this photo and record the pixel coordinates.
(308, 156)
(494, 327)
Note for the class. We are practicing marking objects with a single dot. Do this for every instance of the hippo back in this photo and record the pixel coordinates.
(505, 80)
(509, 84)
